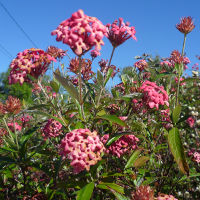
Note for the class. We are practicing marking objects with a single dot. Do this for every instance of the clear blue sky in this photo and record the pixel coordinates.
(154, 21)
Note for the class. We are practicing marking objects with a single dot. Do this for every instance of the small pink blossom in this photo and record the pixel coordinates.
(166, 63)
(181, 79)
(141, 65)
(94, 53)
(119, 32)
(154, 95)
(83, 148)
(14, 126)
(190, 121)
(166, 197)
(121, 146)
(51, 129)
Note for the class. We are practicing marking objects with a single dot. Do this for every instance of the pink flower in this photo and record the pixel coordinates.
(186, 25)
(166, 63)
(81, 32)
(154, 95)
(32, 62)
(94, 53)
(141, 65)
(25, 118)
(181, 79)
(166, 197)
(83, 148)
(14, 126)
(51, 129)
(121, 146)
(119, 32)
(190, 121)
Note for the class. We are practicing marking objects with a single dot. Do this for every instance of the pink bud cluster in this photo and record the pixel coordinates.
(81, 32)
(166, 197)
(195, 155)
(177, 58)
(166, 63)
(121, 146)
(51, 129)
(190, 121)
(14, 126)
(25, 118)
(32, 62)
(181, 79)
(154, 95)
(113, 108)
(94, 53)
(141, 65)
(104, 67)
(83, 148)
(118, 33)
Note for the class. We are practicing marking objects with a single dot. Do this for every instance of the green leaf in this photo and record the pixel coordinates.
(177, 150)
(132, 159)
(113, 186)
(100, 78)
(55, 86)
(68, 86)
(114, 119)
(176, 113)
(86, 192)
(119, 196)
(109, 73)
(141, 161)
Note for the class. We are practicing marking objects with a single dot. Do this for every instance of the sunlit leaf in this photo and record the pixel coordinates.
(177, 150)
(132, 159)
(86, 192)
(176, 113)
(68, 86)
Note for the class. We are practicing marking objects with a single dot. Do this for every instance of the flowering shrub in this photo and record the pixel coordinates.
(79, 139)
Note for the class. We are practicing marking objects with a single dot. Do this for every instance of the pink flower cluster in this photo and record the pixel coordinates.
(119, 33)
(166, 197)
(25, 118)
(104, 67)
(83, 148)
(51, 129)
(190, 121)
(176, 57)
(94, 53)
(81, 32)
(14, 126)
(181, 79)
(32, 62)
(166, 63)
(141, 65)
(195, 155)
(154, 95)
(121, 146)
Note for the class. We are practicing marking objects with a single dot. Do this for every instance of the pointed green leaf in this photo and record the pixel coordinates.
(176, 113)
(68, 86)
(54, 86)
(132, 159)
(113, 119)
(109, 73)
(113, 186)
(177, 150)
(141, 161)
(100, 78)
(86, 192)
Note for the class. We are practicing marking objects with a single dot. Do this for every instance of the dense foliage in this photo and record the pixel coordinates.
(73, 138)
